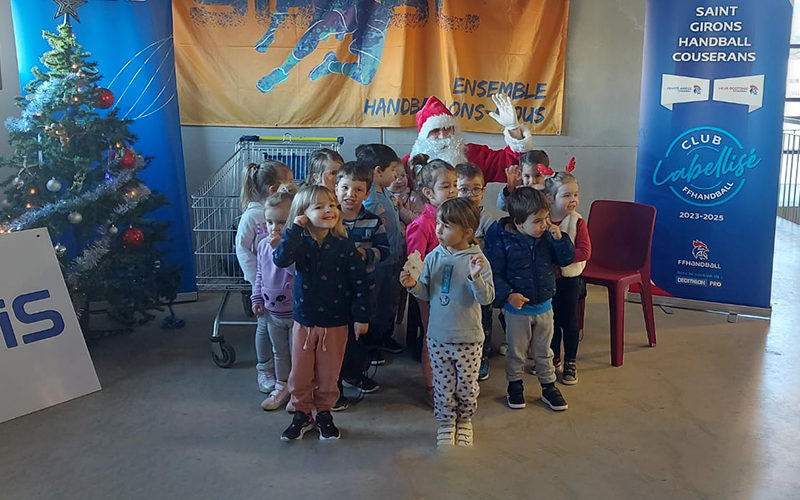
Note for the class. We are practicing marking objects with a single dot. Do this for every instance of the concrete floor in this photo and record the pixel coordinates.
(711, 412)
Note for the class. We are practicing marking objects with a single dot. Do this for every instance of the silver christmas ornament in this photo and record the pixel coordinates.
(18, 183)
(112, 229)
(75, 218)
(54, 185)
(60, 249)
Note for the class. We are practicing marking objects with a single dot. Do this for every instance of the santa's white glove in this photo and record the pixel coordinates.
(506, 114)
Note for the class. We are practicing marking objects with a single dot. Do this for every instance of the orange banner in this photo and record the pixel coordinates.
(360, 63)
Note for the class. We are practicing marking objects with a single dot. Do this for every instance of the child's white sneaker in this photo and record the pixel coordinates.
(464, 436)
(446, 434)
(277, 398)
(503, 349)
(266, 377)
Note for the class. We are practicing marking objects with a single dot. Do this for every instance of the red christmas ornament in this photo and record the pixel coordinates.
(104, 99)
(128, 159)
(132, 238)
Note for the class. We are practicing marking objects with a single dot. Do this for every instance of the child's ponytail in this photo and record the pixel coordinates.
(259, 179)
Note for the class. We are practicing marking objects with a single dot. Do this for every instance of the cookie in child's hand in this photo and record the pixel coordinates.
(414, 265)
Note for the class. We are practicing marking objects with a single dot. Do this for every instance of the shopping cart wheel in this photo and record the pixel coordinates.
(222, 353)
(247, 304)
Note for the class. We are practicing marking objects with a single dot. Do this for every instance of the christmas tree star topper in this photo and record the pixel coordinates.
(68, 8)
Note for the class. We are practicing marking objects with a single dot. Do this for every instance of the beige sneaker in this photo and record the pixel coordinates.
(446, 434)
(464, 436)
(277, 398)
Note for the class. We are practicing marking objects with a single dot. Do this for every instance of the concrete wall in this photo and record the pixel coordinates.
(603, 74)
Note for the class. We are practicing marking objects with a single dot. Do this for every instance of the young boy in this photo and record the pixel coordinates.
(366, 231)
(471, 185)
(523, 250)
(526, 174)
(386, 295)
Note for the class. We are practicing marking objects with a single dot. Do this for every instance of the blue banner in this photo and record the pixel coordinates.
(713, 85)
(132, 44)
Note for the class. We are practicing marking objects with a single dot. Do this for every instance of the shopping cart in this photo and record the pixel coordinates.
(216, 212)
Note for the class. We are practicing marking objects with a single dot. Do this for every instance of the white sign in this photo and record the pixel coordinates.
(676, 89)
(747, 90)
(43, 357)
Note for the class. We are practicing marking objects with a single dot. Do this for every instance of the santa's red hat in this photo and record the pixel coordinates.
(434, 114)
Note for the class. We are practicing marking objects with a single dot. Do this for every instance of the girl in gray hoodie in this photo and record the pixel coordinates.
(457, 280)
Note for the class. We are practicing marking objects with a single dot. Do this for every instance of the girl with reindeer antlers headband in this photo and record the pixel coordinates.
(561, 189)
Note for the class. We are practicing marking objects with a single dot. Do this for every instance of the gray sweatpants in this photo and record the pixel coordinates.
(524, 332)
(280, 333)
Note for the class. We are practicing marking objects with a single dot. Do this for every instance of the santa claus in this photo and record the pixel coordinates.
(440, 137)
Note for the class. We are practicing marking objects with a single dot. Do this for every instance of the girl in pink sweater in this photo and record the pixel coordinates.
(438, 183)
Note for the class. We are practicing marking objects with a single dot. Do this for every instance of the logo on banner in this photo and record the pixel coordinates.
(741, 90)
(677, 89)
(705, 166)
(700, 256)
(699, 250)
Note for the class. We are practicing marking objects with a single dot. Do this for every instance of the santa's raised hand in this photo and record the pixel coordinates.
(506, 114)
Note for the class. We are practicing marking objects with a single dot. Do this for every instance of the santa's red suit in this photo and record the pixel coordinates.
(434, 115)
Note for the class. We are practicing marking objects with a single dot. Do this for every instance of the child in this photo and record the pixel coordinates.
(385, 297)
(457, 281)
(329, 292)
(409, 203)
(259, 181)
(438, 183)
(272, 297)
(562, 193)
(527, 173)
(368, 235)
(471, 186)
(522, 250)
(323, 166)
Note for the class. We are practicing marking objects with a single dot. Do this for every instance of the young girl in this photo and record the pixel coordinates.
(323, 166)
(456, 280)
(527, 173)
(562, 193)
(409, 203)
(272, 297)
(259, 181)
(438, 183)
(330, 290)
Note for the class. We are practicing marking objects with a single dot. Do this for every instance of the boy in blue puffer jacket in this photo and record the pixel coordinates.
(523, 250)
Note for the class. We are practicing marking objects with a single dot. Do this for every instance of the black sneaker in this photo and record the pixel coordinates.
(516, 395)
(342, 403)
(377, 358)
(570, 374)
(327, 429)
(301, 423)
(366, 384)
(392, 346)
(483, 371)
(552, 397)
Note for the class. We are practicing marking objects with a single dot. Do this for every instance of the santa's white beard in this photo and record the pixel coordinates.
(450, 149)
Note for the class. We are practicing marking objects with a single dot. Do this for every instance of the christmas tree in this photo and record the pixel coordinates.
(77, 175)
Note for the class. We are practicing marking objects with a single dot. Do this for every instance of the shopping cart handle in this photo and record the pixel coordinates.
(290, 138)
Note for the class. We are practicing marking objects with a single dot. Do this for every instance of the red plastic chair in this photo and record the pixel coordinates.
(622, 236)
